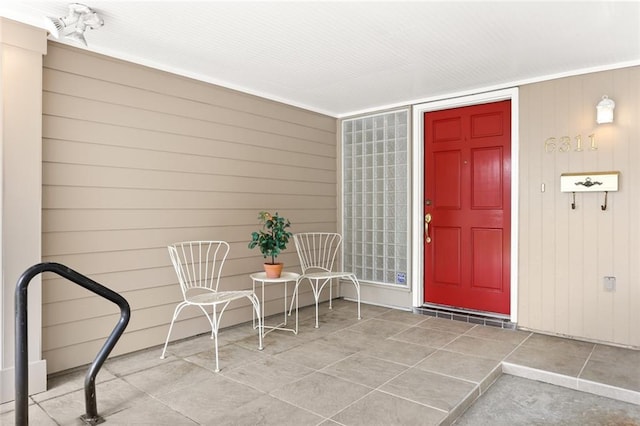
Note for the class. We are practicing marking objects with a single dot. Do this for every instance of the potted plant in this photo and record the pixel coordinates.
(272, 238)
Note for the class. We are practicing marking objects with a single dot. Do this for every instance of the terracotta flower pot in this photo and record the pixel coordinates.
(273, 270)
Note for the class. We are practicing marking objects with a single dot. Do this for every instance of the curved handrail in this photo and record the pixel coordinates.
(22, 354)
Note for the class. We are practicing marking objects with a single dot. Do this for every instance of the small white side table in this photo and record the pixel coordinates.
(285, 277)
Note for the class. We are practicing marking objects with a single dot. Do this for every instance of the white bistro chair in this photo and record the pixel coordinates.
(198, 265)
(317, 252)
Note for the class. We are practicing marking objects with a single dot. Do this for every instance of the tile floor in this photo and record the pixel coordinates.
(390, 368)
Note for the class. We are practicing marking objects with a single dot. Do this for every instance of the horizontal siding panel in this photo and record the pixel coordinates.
(148, 258)
(57, 289)
(94, 111)
(211, 144)
(56, 197)
(117, 94)
(110, 177)
(94, 219)
(99, 155)
(86, 308)
(79, 62)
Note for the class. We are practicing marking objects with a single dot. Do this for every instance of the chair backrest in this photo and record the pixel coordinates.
(198, 264)
(317, 250)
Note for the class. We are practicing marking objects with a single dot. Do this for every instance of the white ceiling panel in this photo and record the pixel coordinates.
(342, 58)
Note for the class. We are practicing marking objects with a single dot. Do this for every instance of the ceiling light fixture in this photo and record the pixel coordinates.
(604, 110)
(74, 25)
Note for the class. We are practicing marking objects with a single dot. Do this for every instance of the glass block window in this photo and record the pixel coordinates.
(376, 197)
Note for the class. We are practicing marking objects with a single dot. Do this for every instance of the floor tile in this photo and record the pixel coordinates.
(547, 360)
(500, 334)
(37, 416)
(569, 347)
(426, 337)
(378, 328)
(365, 370)
(111, 397)
(317, 354)
(137, 361)
(64, 383)
(484, 348)
(210, 398)
(322, 394)
(273, 342)
(268, 373)
(149, 412)
(461, 366)
(397, 351)
(190, 346)
(458, 327)
(266, 410)
(168, 377)
(382, 409)
(621, 356)
(623, 375)
(349, 340)
(434, 390)
(229, 356)
(403, 317)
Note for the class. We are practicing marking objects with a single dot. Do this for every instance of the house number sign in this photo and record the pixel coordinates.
(566, 143)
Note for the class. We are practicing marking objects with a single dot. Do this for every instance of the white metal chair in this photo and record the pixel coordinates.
(198, 265)
(317, 252)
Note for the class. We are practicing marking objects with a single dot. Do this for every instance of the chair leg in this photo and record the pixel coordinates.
(294, 296)
(256, 307)
(355, 282)
(176, 312)
(214, 334)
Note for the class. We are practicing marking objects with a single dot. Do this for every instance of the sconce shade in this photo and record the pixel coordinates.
(604, 110)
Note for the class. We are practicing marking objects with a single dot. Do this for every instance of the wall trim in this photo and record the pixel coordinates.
(37, 380)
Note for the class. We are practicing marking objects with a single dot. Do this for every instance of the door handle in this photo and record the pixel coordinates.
(427, 221)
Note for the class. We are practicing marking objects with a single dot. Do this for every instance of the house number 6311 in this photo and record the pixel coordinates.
(564, 143)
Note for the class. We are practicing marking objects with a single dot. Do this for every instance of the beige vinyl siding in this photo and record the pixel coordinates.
(565, 253)
(135, 159)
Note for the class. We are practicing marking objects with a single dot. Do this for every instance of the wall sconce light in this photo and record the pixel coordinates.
(604, 110)
(74, 25)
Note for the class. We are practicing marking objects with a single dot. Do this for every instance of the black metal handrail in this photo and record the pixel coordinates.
(22, 354)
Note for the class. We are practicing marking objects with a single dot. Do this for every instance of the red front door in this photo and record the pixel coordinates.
(468, 207)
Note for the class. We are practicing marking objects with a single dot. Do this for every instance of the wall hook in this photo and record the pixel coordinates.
(573, 203)
(604, 206)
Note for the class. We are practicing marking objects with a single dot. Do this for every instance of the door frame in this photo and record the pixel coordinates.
(417, 182)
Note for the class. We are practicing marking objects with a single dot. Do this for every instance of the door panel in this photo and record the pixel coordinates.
(447, 269)
(468, 197)
(448, 179)
(486, 178)
(487, 264)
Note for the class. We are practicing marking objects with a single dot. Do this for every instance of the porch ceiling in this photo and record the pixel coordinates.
(342, 58)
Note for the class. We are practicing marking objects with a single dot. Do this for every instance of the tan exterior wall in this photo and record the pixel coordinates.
(135, 159)
(565, 253)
